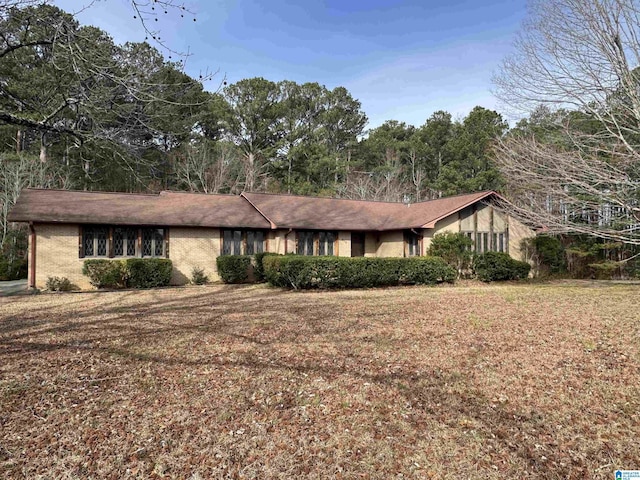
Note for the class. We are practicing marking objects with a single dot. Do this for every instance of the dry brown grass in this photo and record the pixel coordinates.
(531, 381)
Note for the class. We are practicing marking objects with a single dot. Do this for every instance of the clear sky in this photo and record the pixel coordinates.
(403, 59)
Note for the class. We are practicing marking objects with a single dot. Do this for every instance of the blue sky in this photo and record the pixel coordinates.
(402, 59)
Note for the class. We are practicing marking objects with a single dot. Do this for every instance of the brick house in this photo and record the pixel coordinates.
(67, 227)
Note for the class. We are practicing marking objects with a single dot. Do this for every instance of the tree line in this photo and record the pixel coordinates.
(78, 111)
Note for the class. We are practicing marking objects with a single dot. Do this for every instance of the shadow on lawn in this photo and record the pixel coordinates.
(240, 314)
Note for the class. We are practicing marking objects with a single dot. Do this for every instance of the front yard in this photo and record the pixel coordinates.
(526, 381)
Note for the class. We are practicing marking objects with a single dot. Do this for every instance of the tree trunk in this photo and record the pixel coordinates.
(43, 148)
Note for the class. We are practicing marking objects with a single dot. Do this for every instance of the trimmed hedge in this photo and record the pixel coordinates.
(148, 272)
(497, 266)
(129, 273)
(234, 268)
(303, 272)
(105, 273)
(258, 267)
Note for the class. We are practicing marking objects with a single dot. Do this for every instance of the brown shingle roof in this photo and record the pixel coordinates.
(249, 210)
(167, 208)
(292, 211)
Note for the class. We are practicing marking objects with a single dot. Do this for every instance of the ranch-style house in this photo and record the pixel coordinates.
(67, 227)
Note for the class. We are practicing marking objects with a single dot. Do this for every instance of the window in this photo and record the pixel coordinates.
(255, 242)
(152, 242)
(498, 244)
(488, 242)
(124, 242)
(307, 243)
(94, 241)
(112, 241)
(413, 244)
(325, 243)
(242, 242)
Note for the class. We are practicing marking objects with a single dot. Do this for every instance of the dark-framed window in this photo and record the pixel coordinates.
(125, 241)
(242, 242)
(120, 241)
(412, 239)
(311, 242)
(152, 242)
(488, 242)
(326, 241)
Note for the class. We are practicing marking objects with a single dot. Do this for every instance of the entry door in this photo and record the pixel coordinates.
(357, 244)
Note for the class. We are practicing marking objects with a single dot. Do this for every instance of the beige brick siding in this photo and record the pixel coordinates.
(517, 232)
(391, 244)
(344, 244)
(191, 248)
(57, 254)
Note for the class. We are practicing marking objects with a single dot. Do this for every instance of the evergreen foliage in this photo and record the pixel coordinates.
(303, 272)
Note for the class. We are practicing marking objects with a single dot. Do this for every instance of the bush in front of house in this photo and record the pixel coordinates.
(105, 273)
(303, 272)
(498, 266)
(59, 284)
(198, 277)
(454, 248)
(258, 267)
(234, 268)
(129, 273)
(147, 272)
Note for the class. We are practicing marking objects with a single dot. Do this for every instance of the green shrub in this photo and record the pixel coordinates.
(496, 266)
(13, 261)
(105, 273)
(198, 276)
(148, 272)
(132, 272)
(454, 248)
(258, 267)
(302, 272)
(550, 253)
(14, 269)
(59, 284)
(234, 268)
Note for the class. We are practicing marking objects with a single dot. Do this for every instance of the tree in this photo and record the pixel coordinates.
(253, 123)
(579, 59)
(470, 167)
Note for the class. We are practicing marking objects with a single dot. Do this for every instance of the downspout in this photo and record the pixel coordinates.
(32, 256)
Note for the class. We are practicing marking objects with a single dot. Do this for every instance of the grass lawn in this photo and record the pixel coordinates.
(499, 381)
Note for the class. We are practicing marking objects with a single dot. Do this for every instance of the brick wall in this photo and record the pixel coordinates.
(57, 254)
(193, 247)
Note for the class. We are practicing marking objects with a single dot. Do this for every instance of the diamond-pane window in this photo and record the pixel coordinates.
(102, 234)
(87, 242)
(251, 238)
(147, 242)
(118, 242)
(259, 248)
(158, 240)
(132, 237)
(226, 242)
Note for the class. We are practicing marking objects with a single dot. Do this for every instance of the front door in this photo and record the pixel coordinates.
(357, 244)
